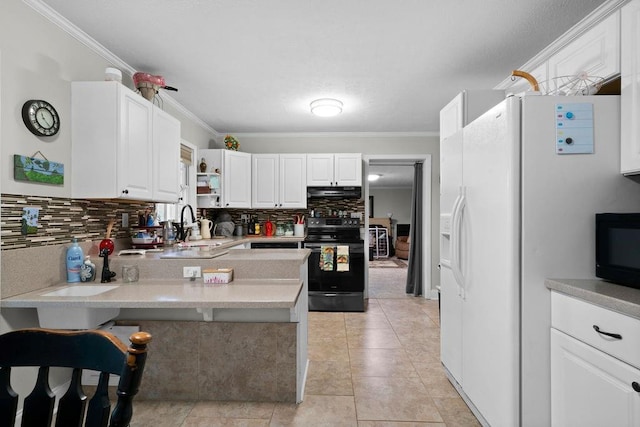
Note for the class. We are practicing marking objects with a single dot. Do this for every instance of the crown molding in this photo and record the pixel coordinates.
(599, 14)
(335, 134)
(84, 38)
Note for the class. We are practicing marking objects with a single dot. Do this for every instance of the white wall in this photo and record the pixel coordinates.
(39, 61)
(369, 144)
(392, 200)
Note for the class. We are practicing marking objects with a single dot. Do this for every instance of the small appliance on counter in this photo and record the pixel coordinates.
(618, 248)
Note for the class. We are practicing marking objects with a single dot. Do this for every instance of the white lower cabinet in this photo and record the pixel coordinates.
(589, 386)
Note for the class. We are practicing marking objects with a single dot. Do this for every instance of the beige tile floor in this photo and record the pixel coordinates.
(380, 368)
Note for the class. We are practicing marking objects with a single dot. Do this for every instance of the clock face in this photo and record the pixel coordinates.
(40, 118)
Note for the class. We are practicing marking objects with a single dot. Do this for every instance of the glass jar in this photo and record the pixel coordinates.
(288, 228)
(279, 229)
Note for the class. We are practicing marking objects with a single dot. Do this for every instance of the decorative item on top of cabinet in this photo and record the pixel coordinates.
(203, 165)
(231, 143)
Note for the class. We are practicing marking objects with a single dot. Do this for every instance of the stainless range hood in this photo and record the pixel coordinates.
(334, 192)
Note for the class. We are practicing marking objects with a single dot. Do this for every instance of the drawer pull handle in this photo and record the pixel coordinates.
(636, 386)
(609, 334)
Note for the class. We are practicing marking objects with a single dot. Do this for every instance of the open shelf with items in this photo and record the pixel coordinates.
(208, 191)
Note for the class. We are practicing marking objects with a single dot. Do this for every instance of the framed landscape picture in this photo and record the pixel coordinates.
(37, 170)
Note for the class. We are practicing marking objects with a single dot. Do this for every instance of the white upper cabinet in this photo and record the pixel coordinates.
(630, 88)
(279, 181)
(342, 169)
(466, 107)
(596, 52)
(115, 153)
(166, 170)
(266, 180)
(236, 179)
(293, 188)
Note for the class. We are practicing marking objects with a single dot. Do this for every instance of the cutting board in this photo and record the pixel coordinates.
(192, 254)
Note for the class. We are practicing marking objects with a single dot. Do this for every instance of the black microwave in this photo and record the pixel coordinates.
(618, 248)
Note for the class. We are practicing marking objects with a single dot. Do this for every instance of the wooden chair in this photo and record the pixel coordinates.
(95, 350)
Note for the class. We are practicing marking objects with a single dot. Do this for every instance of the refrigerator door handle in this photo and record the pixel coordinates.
(456, 240)
(453, 249)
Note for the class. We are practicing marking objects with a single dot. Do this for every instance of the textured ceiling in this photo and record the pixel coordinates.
(255, 65)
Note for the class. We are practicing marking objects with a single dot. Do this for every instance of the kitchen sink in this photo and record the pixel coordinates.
(80, 291)
(76, 317)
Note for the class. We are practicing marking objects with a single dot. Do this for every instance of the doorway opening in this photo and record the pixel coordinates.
(388, 214)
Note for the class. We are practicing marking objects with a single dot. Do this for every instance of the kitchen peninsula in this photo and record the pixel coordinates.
(246, 340)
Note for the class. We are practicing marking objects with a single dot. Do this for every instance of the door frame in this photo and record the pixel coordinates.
(426, 159)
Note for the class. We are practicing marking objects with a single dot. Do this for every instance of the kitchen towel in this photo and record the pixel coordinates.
(326, 258)
(342, 258)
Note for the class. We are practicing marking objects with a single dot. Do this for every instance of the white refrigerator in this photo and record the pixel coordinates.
(520, 187)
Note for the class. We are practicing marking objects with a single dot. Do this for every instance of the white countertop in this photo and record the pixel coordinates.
(157, 293)
(623, 299)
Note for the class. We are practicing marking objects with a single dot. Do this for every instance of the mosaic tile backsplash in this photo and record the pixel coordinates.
(322, 205)
(61, 219)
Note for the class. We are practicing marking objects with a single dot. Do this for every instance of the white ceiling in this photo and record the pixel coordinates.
(393, 175)
(255, 65)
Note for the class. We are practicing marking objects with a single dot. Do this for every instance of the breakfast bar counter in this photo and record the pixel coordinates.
(241, 341)
(172, 293)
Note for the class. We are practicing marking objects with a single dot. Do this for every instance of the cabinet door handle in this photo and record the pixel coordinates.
(125, 191)
(635, 386)
(609, 334)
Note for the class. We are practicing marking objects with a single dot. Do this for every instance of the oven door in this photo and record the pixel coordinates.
(326, 276)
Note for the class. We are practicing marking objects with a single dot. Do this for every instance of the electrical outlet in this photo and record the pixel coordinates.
(125, 220)
(244, 218)
(190, 272)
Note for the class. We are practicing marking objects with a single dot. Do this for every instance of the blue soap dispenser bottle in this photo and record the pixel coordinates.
(75, 259)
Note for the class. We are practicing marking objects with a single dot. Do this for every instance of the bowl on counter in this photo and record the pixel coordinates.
(142, 240)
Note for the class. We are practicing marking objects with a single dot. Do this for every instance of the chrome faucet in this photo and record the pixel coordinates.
(182, 230)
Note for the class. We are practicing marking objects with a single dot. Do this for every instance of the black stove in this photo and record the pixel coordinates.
(336, 264)
(345, 230)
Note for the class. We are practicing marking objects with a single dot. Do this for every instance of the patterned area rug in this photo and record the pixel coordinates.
(388, 263)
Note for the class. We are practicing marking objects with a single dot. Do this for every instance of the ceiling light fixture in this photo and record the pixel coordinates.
(373, 177)
(326, 107)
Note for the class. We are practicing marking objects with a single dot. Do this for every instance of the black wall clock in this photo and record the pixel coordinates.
(40, 117)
